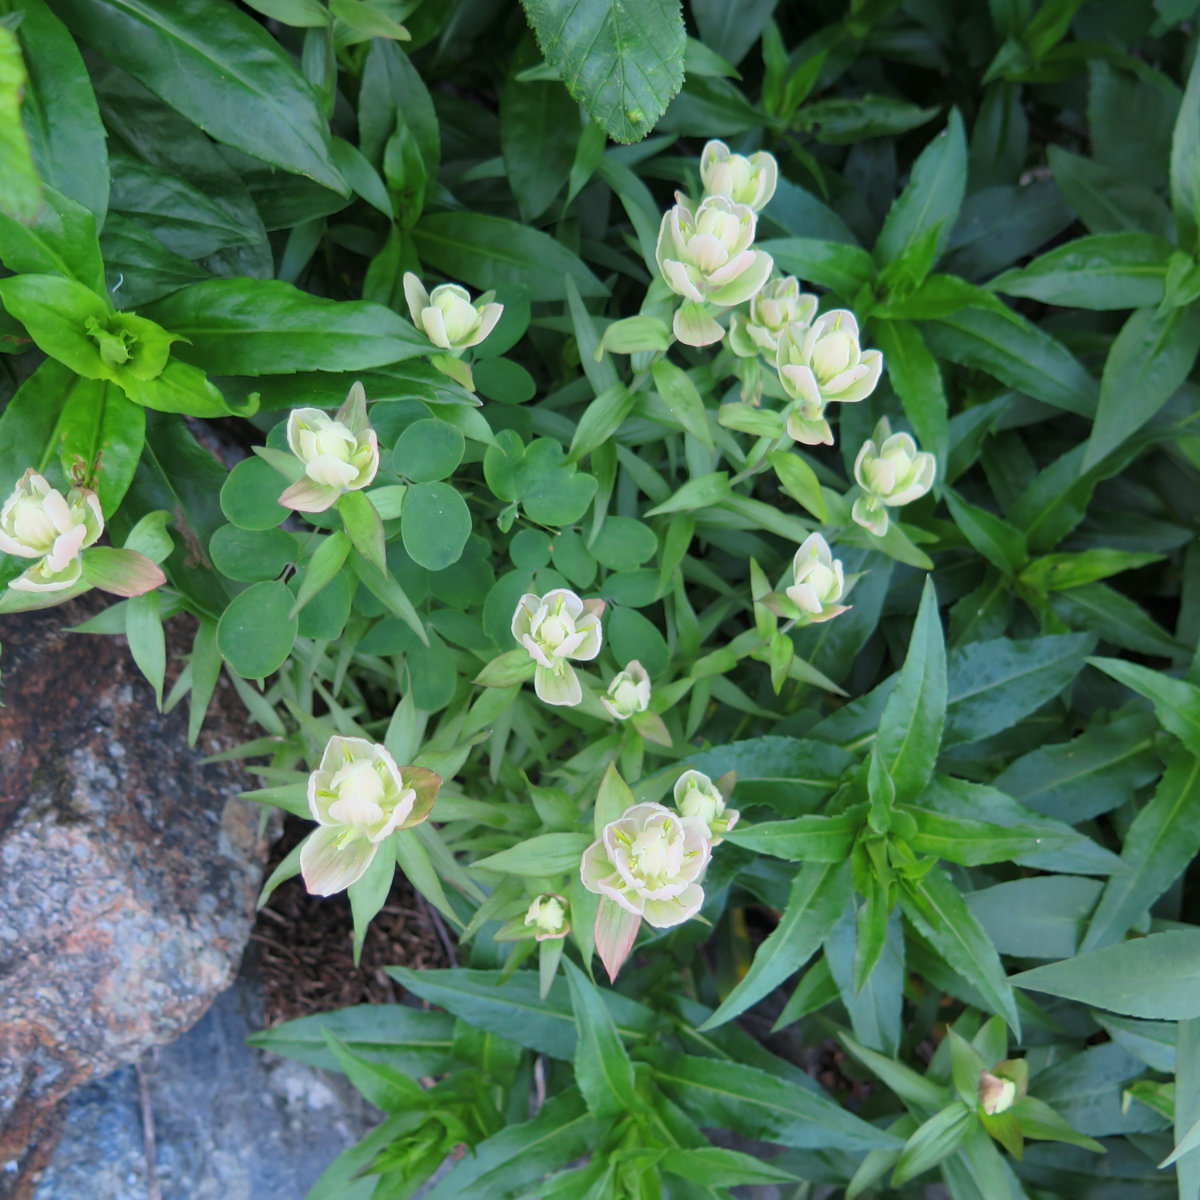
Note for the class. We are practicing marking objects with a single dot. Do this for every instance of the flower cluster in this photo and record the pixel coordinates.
(448, 317)
(340, 454)
(891, 471)
(556, 628)
(38, 521)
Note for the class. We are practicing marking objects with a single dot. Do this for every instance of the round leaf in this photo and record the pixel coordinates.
(624, 544)
(530, 549)
(435, 525)
(630, 635)
(504, 380)
(250, 496)
(428, 450)
(251, 555)
(255, 633)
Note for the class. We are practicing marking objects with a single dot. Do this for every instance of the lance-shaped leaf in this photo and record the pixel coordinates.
(1185, 165)
(603, 1069)
(910, 729)
(1176, 702)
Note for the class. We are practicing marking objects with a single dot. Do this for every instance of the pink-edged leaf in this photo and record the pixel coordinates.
(122, 572)
(652, 727)
(425, 783)
(306, 495)
(616, 931)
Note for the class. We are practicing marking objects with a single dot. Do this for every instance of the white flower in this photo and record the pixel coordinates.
(554, 628)
(780, 303)
(697, 796)
(340, 454)
(819, 581)
(548, 916)
(819, 364)
(707, 257)
(649, 861)
(628, 693)
(891, 471)
(447, 316)
(38, 521)
(358, 796)
(750, 181)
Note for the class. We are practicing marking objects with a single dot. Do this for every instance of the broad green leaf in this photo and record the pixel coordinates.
(1058, 572)
(1149, 359)
(813, 838)
(435, 525)
(819, 894)
(139, 266)
(930, 202)
(20, 184)
(731, 29)
(1083, 1094)
(838, 266)
(729, 1095)
(101, 434)
(936, 908)
(1002, 545)
(841, 121)
(994, 684)
(916, 379)
(256, 633)
(251, 556)
(1158, 846)
(1106, 200)
(1155, 977)
(59, 110)
(54, 311)
(267, 327)
(1151, 1041)
(1176, 701)
(215, 72)
(1043, 916)
(603, 1070)
(622, 63)
(1105, 271)
(1185, 165)
(60, 240)
(513, 1009)
(543, 856)
(486, 252)
(250, 495)
(910, 727)
(935, 1140)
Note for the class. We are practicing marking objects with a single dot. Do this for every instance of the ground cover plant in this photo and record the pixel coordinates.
(708, 495)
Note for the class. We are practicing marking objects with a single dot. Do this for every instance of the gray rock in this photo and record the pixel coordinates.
(128, 870)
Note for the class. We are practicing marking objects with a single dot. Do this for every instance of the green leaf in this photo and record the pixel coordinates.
(1158, 846)
(1106, 200)
(53, 310)
(1187, 1107)
(819, 894)
(937, 910)
(930, 202)
(917, 381)
(250, 496)
(1002, 545)
(1155, 977)
(1106, 271)
(381, 1084)
(975, 842)
(933, 1141)
(1149, 359)
(59, 110)
(714, 1167)
(487, 252)
(681, 396)
(428, 450)
(103, 433)
(1185, 165)
(622, 63)
(1040, 917)
(543, 856)
(325, 563)
(215, 72)
(251, 556)
(60, 240)
(512, 1008)
(729, 1095)
(842, 121)
(1176, 702)
(603, 1070)
(1059, 572)
(256, 633)
(435, 525)
(835, 265)
(268, 327)
(910, 728)
(912, 1088)
(813, 838)
(20, 185)
(600, 420)
(147, 644)
(865, 953)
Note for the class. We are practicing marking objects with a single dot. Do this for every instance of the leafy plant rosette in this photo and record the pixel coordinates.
(760, 558)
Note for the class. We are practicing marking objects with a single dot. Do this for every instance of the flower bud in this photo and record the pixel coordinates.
(628, 693)
(548, 917)
(891, 471)
(554, 628)
(38, 521)
(996, 1095)
(340, 454)
(780, 304)
(706, 256)
(358, 796)
(447, 316)
(819, 581)
(750, 181)
(820, 364)
(697, 796)
(649, 861)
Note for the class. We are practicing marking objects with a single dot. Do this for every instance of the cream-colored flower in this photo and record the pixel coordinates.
(548, 917)
(358, 796)
(750, 181)
(649, 861)
(447, 316)
(706, 256)
(779, 305)
(340, 454)
(891, 471)
(38, 521)
(996, 1095)
(819, 582)
(697, 796)
(819, 364)
(628, 693)
(554, 628)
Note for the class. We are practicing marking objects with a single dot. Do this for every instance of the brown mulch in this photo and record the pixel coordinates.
(305, 944)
